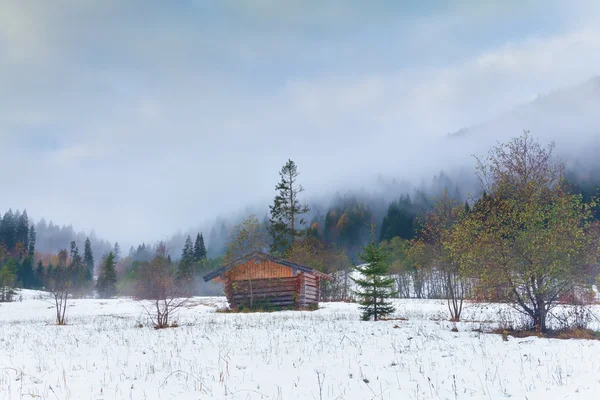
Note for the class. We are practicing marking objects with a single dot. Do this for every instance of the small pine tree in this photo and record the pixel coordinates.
(375, 287)
(88, 259)
(185, 269)
(188, 250)
(32, 240)
(199, 250)
(203, 251)
(107, 280)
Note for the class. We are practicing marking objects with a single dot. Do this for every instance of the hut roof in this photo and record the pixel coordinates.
(266, 257)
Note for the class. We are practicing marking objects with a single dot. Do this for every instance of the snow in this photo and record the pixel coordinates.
(326, 354)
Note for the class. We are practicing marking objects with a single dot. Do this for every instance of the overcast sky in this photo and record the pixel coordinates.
(139, 118)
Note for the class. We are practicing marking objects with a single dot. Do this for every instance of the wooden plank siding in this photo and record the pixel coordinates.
(263, 270)
(288, 292)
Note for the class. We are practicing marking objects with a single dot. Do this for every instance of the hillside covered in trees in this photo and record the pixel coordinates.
(341, 224)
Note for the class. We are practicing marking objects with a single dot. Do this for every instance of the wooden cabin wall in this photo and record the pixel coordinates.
(276, 292)
(264, 270)
(300, 291)
(309, 290)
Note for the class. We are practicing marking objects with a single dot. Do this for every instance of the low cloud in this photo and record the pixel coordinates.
(140, 118)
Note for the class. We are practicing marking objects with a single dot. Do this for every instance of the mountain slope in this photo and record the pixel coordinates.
(569, 116)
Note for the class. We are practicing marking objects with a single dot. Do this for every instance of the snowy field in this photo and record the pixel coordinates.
(327, 354)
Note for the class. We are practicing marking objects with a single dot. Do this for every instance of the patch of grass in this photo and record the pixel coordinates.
(167, 326)
(248, 310)
(585, 334)
(244, 309)
(578, 334)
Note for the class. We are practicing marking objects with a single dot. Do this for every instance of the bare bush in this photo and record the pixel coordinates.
(59, 282)
(158, 291)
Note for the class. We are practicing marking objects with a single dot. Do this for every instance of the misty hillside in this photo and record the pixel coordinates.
(568, 116)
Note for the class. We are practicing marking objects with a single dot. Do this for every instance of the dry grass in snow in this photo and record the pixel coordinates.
(327, 354)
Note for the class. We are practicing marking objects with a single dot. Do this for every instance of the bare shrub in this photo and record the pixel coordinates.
(59, 283)
(158, 291)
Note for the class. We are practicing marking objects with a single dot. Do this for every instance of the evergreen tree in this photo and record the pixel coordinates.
(185, 269)
(8, 231)
(22, 233)
(39, 275)
(80, 274)
(88, 258)
(199, 249)
(32, 240)
(107, 280)
(117, 252)
(375, 286)
(286, 222)
(188, 250)
(25, 274)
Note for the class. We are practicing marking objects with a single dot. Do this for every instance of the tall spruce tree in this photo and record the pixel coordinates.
(8, 231)
(286, 222)
(80, 274)
(88, 259)
(22, 234)
(185, 269)
(106, 285)
(199, 249)
(375, 286)
(188, 250)
(32, 240)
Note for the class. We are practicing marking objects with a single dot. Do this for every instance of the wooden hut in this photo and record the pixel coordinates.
(261, 279)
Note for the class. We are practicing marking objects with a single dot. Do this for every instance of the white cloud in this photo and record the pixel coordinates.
(170, 119)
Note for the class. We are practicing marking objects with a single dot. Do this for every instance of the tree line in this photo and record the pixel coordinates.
(17, 250)
(527, 238)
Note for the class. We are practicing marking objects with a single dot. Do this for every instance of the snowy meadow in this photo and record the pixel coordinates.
(109, 351)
